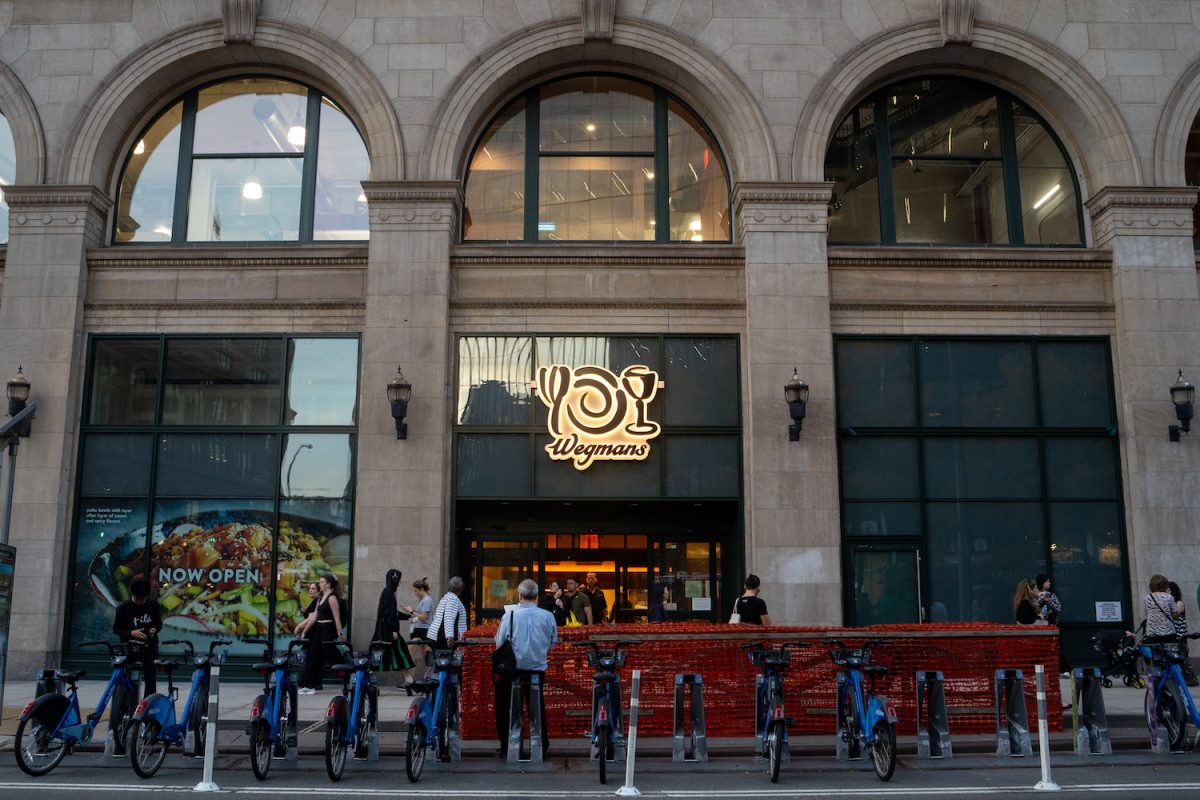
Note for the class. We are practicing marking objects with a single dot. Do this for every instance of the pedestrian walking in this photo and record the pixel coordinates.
(1025, 604)
(579, 607)
(450, 619)
(388, 615)
(421, 614)
(750, 609)
(323, 635)
(1161, 610)
(595, 595)
(552, 601)
(1181, 629)
(533, 632)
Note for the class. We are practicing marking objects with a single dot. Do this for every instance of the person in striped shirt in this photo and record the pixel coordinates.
(450, 619)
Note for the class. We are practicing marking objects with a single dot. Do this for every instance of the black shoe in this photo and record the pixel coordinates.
(501, 753)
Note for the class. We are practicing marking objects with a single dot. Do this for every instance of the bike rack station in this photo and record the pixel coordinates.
(1089, 720)
(849, 747)
(697, 739)
(1012, 715)
(933, 721)
(516, 721)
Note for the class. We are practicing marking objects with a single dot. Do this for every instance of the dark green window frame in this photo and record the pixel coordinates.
(1009, 169)
(660, 154)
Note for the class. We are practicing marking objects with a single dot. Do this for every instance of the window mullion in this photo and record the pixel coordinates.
(532, 185)
(183, 174)
(662, 184)
(308, 179)
(1012, 181)
(883, 160)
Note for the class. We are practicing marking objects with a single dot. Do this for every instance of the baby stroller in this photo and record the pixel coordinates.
(1120, 648)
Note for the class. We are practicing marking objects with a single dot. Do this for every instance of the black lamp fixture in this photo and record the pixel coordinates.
(18, 398)
(1183, 395)
(796, 393)
(399, 392)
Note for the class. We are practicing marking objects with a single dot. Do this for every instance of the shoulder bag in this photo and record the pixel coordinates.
(504, 658)
(735, 618)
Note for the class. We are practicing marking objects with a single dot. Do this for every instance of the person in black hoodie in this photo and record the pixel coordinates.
(387, 627)
(140, 619)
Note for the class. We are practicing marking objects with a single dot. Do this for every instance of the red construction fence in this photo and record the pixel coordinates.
(968, 655)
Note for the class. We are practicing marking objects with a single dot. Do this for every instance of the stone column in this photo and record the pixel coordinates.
(1149, 230)
(45, 282)
(402, 512)
(792, 533)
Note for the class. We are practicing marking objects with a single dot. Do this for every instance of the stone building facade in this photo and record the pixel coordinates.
(1116, 83)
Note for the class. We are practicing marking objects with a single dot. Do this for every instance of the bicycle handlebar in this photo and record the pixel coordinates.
(113, 649)
(617, 645)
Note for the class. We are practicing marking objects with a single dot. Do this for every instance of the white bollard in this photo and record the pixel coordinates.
(210, 749)
(1045, 784)
(629, 790)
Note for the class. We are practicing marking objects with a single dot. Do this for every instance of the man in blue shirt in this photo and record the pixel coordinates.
(533, 632)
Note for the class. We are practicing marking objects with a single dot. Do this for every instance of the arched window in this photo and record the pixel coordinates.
(949, 161)
(596, 158)
(1191, 173)
(246, 160)
(8, 172)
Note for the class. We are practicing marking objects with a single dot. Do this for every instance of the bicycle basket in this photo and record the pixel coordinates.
(607, 659)
(771, 658)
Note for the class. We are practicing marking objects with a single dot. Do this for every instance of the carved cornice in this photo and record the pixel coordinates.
(598, 18)
(406, 192)
(637, 256)
(595, 305)
(957, 18)
(232, 305)
(776, 207)
(1142, 197)
(1142, 211)
(817, 193)
(980, 308)
(34, 198)
(419, 205)
(239, 18)
(138, 256)
(968, 259)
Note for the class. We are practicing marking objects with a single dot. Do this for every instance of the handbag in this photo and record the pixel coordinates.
(504, 658)
(735, 618)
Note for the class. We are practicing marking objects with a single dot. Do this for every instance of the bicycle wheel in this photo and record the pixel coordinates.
(119, 714)
(260, 750)
(602, 737)
(443, 723)
(1173, 713)
(414, 752)
(196, 722)
(774, 751)
(883, 750)
(37, 751)
(360, 733)
(335, 749)
(147, 751)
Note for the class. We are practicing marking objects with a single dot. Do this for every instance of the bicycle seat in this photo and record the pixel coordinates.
(875, 669)
(342, 668)
(70, 677)
(263, 666)
(165, 665)
(424, 686)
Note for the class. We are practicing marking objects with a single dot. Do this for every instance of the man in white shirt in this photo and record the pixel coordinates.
(533, 632)
(450, 620)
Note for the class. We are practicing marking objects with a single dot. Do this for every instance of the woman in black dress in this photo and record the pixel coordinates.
(324, 632)
(387, 627)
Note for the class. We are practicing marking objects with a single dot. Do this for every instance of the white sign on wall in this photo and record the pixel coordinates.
(1108, 611)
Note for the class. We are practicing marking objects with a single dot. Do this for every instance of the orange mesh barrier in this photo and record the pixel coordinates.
(968, 654)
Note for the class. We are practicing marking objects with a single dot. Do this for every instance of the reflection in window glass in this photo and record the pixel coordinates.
(701, 381)
(1086, 555)
(699, 193)
(852, 165)
(879, 468)
(146, 201)
(612, 352)
(317, 465)
(245, 199)
(940, 117)
(322, 376)
(949, 201)
(981, 467)
(978, 552)
(1049, 205)
(340, 206)
(882, 519)
(495, 193)
(8, 172)
(1073, 384)
(315, 537)
(251, 115)
(494, 377)
(222, 382)
(211, 568)
(876, 383)
(596, 114)
(596, 198)
(493, 465)
(976, 384)
(116, 464)
(217, 464)
(124, 382)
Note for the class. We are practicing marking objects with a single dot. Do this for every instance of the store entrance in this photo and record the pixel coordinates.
(637, 558)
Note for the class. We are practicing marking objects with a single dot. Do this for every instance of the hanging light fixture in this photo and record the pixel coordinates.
(252, 188)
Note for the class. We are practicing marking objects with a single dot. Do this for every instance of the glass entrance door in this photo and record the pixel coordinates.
(501, 564)
(886, 584)
(690, 573)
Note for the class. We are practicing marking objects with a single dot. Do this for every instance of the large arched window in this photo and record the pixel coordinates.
(8, 172)
(246, 160)
(949, 161)
(597, 158)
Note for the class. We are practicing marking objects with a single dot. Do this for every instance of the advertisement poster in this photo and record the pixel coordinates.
(110, 533)
(314, 539)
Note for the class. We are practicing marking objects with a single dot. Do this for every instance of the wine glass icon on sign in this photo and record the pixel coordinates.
(641, 384)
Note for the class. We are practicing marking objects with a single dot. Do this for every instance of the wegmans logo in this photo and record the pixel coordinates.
(597, 415)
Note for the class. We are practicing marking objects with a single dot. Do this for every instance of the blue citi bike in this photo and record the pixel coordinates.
(154, 729)
(865, 719)
(607, 658)
(351, 715)
(771, 718)
(433, 717)
(1167, 697)
(272, 727)
(52, 725)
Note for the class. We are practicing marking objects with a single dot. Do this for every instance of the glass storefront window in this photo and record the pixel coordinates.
(851, 164)
(701, 378)
(315, 537)
(217, 464)
(222, 382)
(340, 204)
(245, 200)
(116, 464)
(317, 465)
(1086, 555)
(876, 383)
(982, 468)
(124, 382)
(596, 198)
(494, 380)
(699, 196)
(146, 202)
(251, 115)
(493, 465)
(976, 383)
(703, 466)
(322, 382)
(1074, 388)
(883, 468)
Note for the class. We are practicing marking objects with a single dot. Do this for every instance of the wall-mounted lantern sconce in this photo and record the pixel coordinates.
(399, 392)
(18, 398)
(1183, 395)
(796, 393)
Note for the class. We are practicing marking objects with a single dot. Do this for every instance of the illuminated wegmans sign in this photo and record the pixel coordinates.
(597, 415)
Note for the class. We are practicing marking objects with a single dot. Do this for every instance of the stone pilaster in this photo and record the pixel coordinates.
(792, 532)
(45, 281)
(403, 491)
(1149, 230)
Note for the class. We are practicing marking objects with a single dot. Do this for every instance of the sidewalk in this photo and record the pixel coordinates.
(1124, 705)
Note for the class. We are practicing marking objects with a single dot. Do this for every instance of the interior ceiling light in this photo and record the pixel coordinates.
(590, 127)
(1042, 200)
(140, 147)
(295, 135)
(252, 188)
(695, 224)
